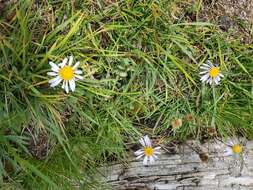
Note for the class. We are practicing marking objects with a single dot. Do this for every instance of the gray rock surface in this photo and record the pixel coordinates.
(191, 167)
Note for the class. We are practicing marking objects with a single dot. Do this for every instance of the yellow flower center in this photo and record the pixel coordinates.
(148, 151)
(66, 73)
(237, 149)
(214, 72)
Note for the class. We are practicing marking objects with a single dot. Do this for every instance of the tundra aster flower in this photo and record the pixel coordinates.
(210, 73)
(233, 149)
(65, 72)
(149, 153)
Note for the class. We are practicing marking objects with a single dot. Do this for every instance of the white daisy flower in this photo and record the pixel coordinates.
(148, 151)
(233, 149)
(210, 73)
(65, 72)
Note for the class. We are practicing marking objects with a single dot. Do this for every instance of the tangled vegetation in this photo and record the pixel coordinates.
(141, 62)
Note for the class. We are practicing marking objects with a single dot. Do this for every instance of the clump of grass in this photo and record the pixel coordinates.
(141, 72)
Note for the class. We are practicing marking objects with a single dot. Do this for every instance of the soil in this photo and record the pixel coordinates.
(235, 9)
(234, 16)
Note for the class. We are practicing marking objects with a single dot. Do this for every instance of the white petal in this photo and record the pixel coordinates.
(147, 140)
(79, 72)
(70, 60)
(52, 73)
(203, 72)
(138, 152)
(228, 151)
(54, 79)
(216, 81)
(138, 157)
(205, 66)
(55, 83)
(155, 157)
(145, 160)
(76, 65)
(202, 68)
(72, 85)
(63, 63)
(218, 78)
(210, 81)
(157, 150)
(230, 143)
(151, 160)
(142, 142)
(79, 77)
(209, 63)
(67, 86)
(54, 67)
(204, 78)
(221, 75)
(63, 84)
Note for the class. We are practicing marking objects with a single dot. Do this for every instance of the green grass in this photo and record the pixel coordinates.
(141, 71)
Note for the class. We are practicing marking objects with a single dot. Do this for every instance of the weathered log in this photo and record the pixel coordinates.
(191, 167)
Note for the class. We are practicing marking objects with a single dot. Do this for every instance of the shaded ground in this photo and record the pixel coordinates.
(231, 15)
(234, 15)
(236, 9)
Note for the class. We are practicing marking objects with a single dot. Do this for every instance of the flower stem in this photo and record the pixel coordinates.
(215, 106)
